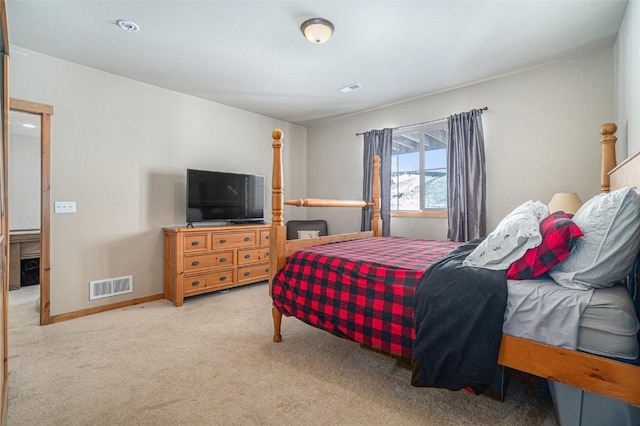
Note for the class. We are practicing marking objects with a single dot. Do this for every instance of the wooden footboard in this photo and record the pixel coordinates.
(280, 248)
(295, 245)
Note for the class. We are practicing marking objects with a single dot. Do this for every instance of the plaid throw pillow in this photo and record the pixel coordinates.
(559, 234)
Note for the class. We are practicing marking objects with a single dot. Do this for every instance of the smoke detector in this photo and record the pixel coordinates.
(128, 26)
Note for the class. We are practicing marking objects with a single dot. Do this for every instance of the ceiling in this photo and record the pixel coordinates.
(250, 54)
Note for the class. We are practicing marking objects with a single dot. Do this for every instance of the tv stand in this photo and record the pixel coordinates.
(212, 258)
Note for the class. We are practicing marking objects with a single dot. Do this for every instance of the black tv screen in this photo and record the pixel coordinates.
(223, 196)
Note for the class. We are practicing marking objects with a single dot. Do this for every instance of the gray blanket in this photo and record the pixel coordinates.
(459, 312)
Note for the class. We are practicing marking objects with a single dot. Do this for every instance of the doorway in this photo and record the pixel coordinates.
(36, 114)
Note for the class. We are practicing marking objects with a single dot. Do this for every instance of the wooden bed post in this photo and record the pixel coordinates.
(277, 232)
(279, 248)
(608, 142)
(376, 219)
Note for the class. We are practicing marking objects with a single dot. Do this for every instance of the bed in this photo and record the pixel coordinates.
(590, 372)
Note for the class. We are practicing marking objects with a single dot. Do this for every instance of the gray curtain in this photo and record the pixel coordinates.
(466, 177)
(377, 142)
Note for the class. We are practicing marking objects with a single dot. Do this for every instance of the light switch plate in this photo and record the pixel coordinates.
(65, 207)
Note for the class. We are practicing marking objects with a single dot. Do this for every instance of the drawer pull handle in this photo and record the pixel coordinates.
(222, 241)
(195, 243)
(266, 254)
(246, 274)
(222, 278)
(223, 259)
(195, 283)
(247, 238)
(247, 256)
(266, 270)
(195, 263)
(267, 237)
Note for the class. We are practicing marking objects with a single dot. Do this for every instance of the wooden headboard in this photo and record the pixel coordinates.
(627, 173)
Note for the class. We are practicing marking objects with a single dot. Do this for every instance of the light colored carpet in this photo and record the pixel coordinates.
(24, 294)
(212, 362)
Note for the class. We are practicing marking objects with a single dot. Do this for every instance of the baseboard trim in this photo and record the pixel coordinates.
(103, 308)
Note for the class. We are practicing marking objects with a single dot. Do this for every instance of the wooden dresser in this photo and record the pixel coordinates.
(205, 259)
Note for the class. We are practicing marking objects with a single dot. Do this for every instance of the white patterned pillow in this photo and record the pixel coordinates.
(515, 234)
(605, 254)
(303, 234)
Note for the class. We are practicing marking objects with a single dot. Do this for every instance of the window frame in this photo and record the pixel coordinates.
(423, 212)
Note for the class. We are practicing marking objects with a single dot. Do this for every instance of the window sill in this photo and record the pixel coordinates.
(434, 213)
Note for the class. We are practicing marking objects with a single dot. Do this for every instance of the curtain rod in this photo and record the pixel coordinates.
(425, 122)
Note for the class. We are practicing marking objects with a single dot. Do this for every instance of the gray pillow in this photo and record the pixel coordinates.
(605, 254)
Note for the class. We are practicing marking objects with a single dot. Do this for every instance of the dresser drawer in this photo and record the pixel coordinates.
(246, 256)
(264, 237)
(208, 261)
(209, 280)
(196, 242)
(236, 239)
(253, 272)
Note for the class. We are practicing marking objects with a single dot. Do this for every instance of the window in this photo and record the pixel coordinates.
(419, 168)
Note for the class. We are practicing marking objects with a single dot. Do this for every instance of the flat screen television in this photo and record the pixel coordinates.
(223, 196)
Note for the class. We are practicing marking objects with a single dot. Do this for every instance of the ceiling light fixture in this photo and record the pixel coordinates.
(317, 30)
(128, 26)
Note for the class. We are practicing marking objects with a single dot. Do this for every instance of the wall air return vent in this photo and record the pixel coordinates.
(110, 287)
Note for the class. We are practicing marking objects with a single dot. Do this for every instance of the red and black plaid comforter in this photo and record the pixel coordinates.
(361, 290)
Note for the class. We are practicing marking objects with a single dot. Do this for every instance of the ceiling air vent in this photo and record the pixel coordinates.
(350, 88)
(110, 287)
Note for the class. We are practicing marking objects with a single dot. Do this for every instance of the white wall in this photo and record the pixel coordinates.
(120, 148)
(541, 137)
(627, 80)
(24, 183)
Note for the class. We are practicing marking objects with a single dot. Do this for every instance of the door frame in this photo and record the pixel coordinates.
(45, 112)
